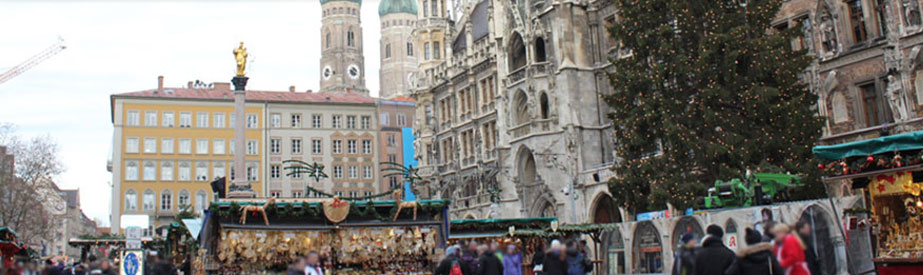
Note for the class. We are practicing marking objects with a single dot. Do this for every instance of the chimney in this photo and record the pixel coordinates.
(221, 85)
(160, 84)
(291, 89)
(189, 85)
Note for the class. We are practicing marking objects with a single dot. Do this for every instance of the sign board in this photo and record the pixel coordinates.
(133, 244)
(860, 251)
(656, 215)
(132, 262)
(731, 241)
(133, 233)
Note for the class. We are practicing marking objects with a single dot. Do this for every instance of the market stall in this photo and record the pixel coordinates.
(9, 246)
(528, 234)
(352, 237)
(888, 171)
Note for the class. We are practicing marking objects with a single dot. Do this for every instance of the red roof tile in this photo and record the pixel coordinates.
(259, 96)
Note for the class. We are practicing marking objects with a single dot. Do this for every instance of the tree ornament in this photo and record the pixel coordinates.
(870, 158)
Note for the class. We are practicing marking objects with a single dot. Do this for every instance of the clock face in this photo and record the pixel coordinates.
(353, 71)
(327, 72)
(60, 206)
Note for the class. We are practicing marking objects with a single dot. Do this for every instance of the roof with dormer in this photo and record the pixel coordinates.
(397, 6)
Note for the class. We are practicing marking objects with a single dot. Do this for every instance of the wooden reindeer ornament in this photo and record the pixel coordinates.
(254, 209)
(398, 200)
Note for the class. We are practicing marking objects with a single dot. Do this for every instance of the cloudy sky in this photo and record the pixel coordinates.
(122, 46)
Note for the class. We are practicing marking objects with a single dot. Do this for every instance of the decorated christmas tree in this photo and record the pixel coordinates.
(709, 90)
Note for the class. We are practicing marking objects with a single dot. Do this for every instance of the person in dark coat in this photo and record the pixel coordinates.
(804, 231)
(554, 262)
(451, 259)
(489, 264)
(713, 257)
(756, 258)
(470, 256)
(684, 260)
(538, 259)
(50, 268)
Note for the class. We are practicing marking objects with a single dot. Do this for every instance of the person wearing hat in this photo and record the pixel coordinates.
(684, 260)
(756, 258)
(713, 257)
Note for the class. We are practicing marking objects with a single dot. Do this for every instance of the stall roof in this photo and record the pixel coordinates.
(490, 221)
(194, 226)
(886, 144)
(316, 203)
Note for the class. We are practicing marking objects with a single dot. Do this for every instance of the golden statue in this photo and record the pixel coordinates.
(241, 55)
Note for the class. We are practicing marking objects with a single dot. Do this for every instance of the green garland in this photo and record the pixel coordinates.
(290, 211)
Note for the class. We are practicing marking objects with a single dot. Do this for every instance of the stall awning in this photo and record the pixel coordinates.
(495, 221)
(887, 144)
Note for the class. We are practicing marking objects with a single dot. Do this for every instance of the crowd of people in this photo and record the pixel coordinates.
(492, 259)
(778, 251)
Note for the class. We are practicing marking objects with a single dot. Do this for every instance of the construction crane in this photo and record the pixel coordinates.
(34, 60)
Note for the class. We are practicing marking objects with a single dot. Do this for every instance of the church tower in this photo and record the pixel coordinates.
(342, 64)
(398, 54)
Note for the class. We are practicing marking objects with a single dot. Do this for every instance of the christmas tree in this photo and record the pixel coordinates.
(709, 90)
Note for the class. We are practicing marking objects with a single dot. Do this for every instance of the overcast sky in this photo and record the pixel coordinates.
(115, 47)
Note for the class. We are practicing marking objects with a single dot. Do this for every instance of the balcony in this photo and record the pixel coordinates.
(521, 129)
(534, 126)
(516, 76)
(433, 22)
(540, 69)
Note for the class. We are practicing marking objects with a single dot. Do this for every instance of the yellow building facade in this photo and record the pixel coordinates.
(167, 150)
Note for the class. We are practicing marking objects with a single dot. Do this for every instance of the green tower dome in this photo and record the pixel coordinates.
(397, 6)
(355, 1)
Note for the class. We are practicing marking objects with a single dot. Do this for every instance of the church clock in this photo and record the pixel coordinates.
(353, 71)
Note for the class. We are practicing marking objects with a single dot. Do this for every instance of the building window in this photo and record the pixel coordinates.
(327, 40)
(168, 119)
(392, 182)
(336, 121)
(131, 145)
(166, 146)
(367, 172)
(166, 200)
(201, 171)
(166, 170)
(148, 202)
(426, 11)
(232, 120)
(219, 147)
(231, 147)
(353, 172)
(150, 118)
(366, 122)
(150, 171)
(857, 20)
(252, 172)
(401, 120)
(409, 49)
(296, 146)
(275, 145)
(388, 50)
(437, 51)
(338, 193)
(201, 120)
(390, 140)
(219, 121)
(351, 122)
(540, 50)
(338, 172)
(429, 114)
(218, 169)
(133, 118)
(316, 146)
(337, 146)
(353, 194)
(316, 121)
(275, 171)
(350, 39)
(351, 146)
(183, 199)
(252, 147)
(185, 120)
(881, 16)
(131, 200)
(296, 120)
(185, 146)
(184, 171)
(297, 194)
(201, 146)
(383, 119)
(435, 4)
(426, 51)
(367, 147)
(392, 158)
(251, 121)
(201, 200)
(150, 145)
(874, 105)
(275, 120)
(275, 194)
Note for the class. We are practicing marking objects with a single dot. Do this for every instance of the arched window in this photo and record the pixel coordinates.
(517, 52)
(409, 49)
(426, 51)
(166, 200)
(327, 40)
(548, 210)
(646, 249)
(820, 239)
(218, 169)
(615, 252)
(840, 113)
(425, 11)
(148, 200)
(540, 50)
(131, 200)
(350, 38)
(201, 171)
(131, 170)
(183, 199)
(201, 200)
(388, 50)
(686, 225)
(166, 170)
(543, 102)
(522, 108)
(435, 4)
(150, 171)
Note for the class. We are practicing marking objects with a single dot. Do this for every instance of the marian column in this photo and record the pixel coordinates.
(240, 188)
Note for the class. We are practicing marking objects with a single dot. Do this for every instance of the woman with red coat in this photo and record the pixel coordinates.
(789, 250)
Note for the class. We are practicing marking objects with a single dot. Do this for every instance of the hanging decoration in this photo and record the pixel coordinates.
(400, 204)
(336, 210)
(254, 209)
(856, 165)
